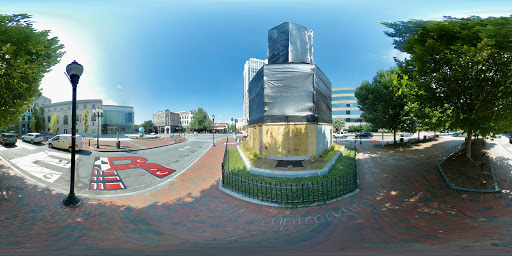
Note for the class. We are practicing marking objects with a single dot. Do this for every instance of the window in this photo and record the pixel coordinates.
(348, 105)
(58, 119)
(49, 118)
(65, 119)
(69, 107)
(93, 117)
(93, 106)
(348, 112)
(54, 108)
(85, 106)
(78, 118)
(61, 107)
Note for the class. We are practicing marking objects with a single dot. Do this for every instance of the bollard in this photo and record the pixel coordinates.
(118, 144)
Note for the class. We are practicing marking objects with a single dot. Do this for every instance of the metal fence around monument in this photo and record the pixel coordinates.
(288, 193)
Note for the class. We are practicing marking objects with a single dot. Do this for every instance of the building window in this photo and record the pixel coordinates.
(93, 106)
(348, 112)
(65, 119)
(93, 117)
(61, 107)
(348, 105)
(69, 107)
(85, 106)
(49, 118)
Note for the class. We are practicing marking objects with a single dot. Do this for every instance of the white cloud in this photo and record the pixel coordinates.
(394, 53)
(119, 87)
(109, 102)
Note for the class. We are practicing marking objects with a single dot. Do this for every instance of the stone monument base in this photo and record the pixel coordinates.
(289, 141)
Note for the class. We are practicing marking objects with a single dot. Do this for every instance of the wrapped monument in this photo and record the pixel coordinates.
(290, 113)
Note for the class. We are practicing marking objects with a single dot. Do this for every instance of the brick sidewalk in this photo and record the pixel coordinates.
(404, 206)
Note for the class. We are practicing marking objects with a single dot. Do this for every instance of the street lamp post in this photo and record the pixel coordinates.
(98, 112)
(360, 131)
(74, 71)
(213, 130)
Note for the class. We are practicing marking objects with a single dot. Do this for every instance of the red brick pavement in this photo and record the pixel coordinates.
(404, 206)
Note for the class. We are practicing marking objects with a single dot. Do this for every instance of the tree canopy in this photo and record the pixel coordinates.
(338, 124)
(461, 66)
(25, 56)
(200, 120)
(385, 100)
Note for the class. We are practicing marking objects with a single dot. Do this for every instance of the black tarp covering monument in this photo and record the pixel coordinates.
(291, 89)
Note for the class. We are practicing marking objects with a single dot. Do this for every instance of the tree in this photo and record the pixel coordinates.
(231, 127)
(338, 124)
(32, 124)
(200, 120)
(148, 125)
(463, 66)
(25, 56)
(85, 117)
(39, 116)
(384, 101)
(54, 122)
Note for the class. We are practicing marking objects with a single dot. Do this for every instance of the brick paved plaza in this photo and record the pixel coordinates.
(404, 207)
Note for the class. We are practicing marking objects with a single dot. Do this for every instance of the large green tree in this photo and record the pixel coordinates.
(200, 120)
(385, 101)
(148, 125)
(85, 117)
(54, 123)
(463, 66)
(25, 56)
(338, 124)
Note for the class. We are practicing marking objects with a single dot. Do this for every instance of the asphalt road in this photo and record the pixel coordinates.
(100, 174)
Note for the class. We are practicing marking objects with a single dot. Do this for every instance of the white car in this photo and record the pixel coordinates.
(341, 135)
(407, 134)
(32, 137)
(63, 141)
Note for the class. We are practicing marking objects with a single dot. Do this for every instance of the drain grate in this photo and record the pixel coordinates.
(286, 163)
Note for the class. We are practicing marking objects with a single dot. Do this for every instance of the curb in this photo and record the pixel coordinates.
(131, 150)
(288, 174)
(469, 189)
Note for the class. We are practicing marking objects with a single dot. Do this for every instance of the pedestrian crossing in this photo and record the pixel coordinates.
(35, 164)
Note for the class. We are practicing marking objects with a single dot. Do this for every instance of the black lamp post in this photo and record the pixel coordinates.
(213, 130)
(98, 113)
(74, 71)
(360, 131)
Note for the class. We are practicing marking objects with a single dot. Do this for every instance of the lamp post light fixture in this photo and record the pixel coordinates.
(213, 129)
(98, 112)
(74, 71)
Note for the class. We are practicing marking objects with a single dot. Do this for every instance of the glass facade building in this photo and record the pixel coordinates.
(117, 118)
(345, 106)
(251, 67)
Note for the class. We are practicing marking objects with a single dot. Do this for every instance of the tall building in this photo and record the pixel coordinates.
(251, 67)
(344, 106)
(115, 118)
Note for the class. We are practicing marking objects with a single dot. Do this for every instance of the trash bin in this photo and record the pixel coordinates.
(118, 144)
(510, 139)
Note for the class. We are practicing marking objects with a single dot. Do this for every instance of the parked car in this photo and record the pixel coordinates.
(364, 135)
(341, 135)
(14, 132)
(63, 141)
(407, 134)
(8, 138)
(32, 137)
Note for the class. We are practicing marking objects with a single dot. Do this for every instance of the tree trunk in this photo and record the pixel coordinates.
(394, 135)
(418, 134)
(468, 143)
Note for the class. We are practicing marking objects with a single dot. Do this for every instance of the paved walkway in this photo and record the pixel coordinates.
(404, 206)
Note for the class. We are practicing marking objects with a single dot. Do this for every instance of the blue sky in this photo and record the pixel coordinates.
(181, 55)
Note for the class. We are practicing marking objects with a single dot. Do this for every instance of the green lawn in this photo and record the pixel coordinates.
(292, 191)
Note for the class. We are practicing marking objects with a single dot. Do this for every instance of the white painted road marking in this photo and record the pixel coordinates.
(29, 164)
(25, 145)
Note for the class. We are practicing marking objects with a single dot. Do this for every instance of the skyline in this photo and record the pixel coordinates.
(156, 55)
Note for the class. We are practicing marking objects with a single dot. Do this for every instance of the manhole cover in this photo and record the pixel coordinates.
(286, 163)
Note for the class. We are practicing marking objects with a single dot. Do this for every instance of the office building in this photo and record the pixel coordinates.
(251, 67)
(115, 118)
(185, 118)
(344, 106)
